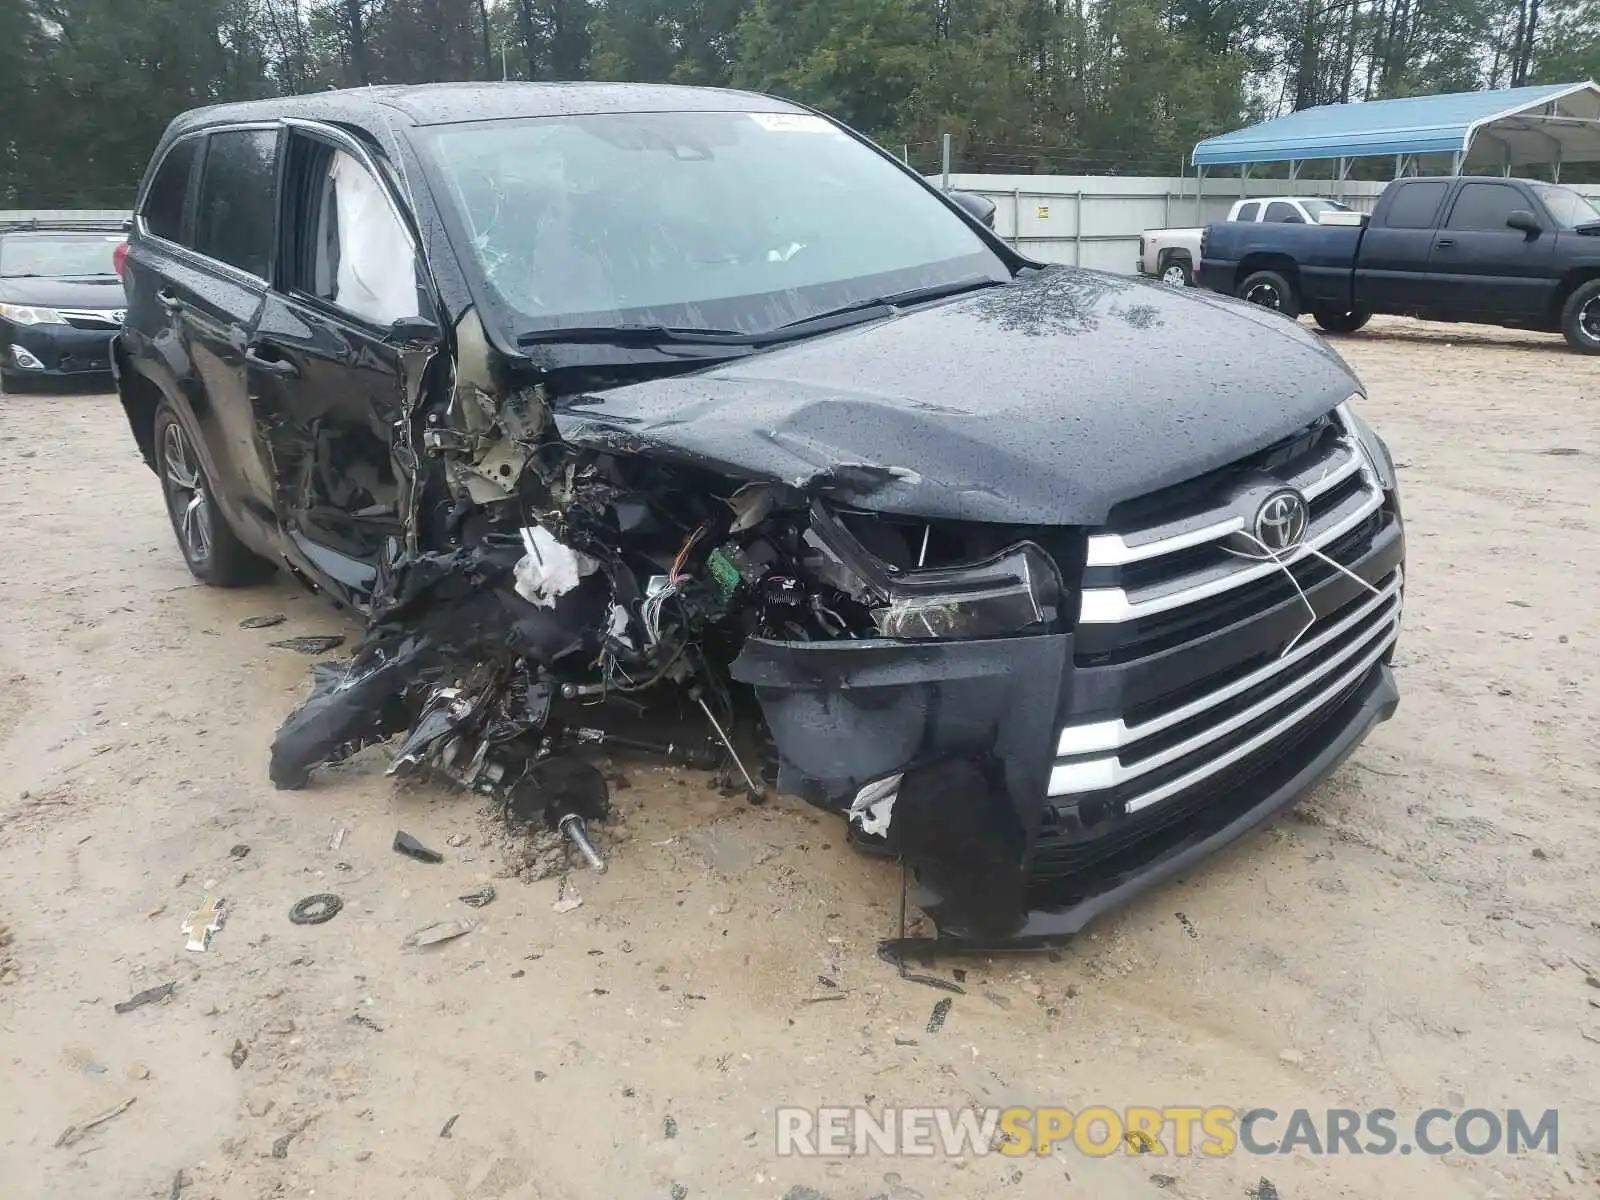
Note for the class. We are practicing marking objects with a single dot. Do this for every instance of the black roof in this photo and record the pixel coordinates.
(445, 103)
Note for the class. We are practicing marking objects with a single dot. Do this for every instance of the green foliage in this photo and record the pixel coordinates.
(86, 86)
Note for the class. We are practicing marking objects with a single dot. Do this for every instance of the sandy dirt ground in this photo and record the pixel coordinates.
(1417, 934)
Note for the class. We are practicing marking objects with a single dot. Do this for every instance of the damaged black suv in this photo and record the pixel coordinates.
(666, 420)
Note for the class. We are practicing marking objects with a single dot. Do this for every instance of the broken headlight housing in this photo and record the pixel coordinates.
(1015, 591)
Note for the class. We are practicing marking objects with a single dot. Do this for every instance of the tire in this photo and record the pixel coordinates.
(1177, 272)
(213, 551)
(1270, 290)
(1580, 318)
(1341, 322)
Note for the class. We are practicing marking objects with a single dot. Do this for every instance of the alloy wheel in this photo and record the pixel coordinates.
(1589, 318)
(1265, 295)
(187, 501)
(1174, 275)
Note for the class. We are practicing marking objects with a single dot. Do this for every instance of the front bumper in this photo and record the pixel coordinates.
(1001, 852)
(54, 351)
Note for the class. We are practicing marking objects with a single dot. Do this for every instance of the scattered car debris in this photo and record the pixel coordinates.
(480, 898)
(824, 981)
(890, 953)
(456, 840)
(405, 844)
(679, 1192)
(1164, 1181)
(266, 622)
(1265, 1190)
(74, 1133)
(204, 921)
(941, 1011)
(280, 1148)
(567, 903)
(178, 1184)
(148, 996)
(823, 999)
(315, 644)
(238, 1054)
(316, 910)
(336, 841)
(449, 1125)
(441, 931)
(239, 851)
(1188, 925)
(364, 1021)
(669, 1127)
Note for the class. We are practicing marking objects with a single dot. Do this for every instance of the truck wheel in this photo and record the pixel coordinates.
(1341, 322)
(1270, 290)
(1176, 272)
(213, 551)
(1580, 318)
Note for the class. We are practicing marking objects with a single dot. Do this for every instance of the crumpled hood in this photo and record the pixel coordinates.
(65, 293)
(1043, 402)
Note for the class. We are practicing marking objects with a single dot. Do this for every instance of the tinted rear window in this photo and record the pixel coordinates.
(163, 204)
(1415, 205)
(233, 220)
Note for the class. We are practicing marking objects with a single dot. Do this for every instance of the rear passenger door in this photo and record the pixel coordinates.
(324, 366)
(207, 295)
(1483, 267)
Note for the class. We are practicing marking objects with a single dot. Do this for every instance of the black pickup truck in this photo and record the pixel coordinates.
(1498, 251)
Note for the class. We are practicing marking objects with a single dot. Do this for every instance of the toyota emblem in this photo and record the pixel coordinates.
(1281, 521)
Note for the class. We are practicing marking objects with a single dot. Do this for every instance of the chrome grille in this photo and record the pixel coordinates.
(92, 318)
(1111, 754)
(1173, 573)
(1173, 564)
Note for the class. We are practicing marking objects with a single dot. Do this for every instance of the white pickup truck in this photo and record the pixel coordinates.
(1173, 255)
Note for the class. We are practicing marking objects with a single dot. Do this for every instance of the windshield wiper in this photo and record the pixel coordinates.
(887, 304)
(637, 335)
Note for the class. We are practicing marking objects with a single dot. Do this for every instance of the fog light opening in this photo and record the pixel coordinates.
(25, 359)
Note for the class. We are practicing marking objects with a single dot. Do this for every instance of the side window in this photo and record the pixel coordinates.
(233, 220)
(169, 192)
(1415, 205)
(1284, 213)
(344, 243)
(1485, 207)
(1249, 212)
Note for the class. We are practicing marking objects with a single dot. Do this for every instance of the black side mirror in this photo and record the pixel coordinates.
(413, 331)
(1524, 220)
(980, 208)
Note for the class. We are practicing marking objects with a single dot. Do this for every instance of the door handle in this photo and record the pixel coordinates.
(170, 300)
(258, 359)
(1445, 243)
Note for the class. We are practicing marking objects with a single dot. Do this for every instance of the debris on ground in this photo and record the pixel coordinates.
(567, 903)
(432, 935)
(204, 921)
(337, 840)
(239, 851)
(448, 1126)
(148, 996)
(405, 844)
(74, 1133)
(316, 644)
(456, 840)
(178, 1184)
(280, 1148)
(679, 1192)
(941, 1011)
(539, 855)
(364, 1021)
(578, 834)
(1265, 1190)
(316, 910)
(238, 1054)
(266, 622)
(480, 898)
(669, 1127)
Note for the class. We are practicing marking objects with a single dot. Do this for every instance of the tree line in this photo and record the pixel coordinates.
(1119, 86)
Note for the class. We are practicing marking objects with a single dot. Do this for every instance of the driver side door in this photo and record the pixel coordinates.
(327, 376)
